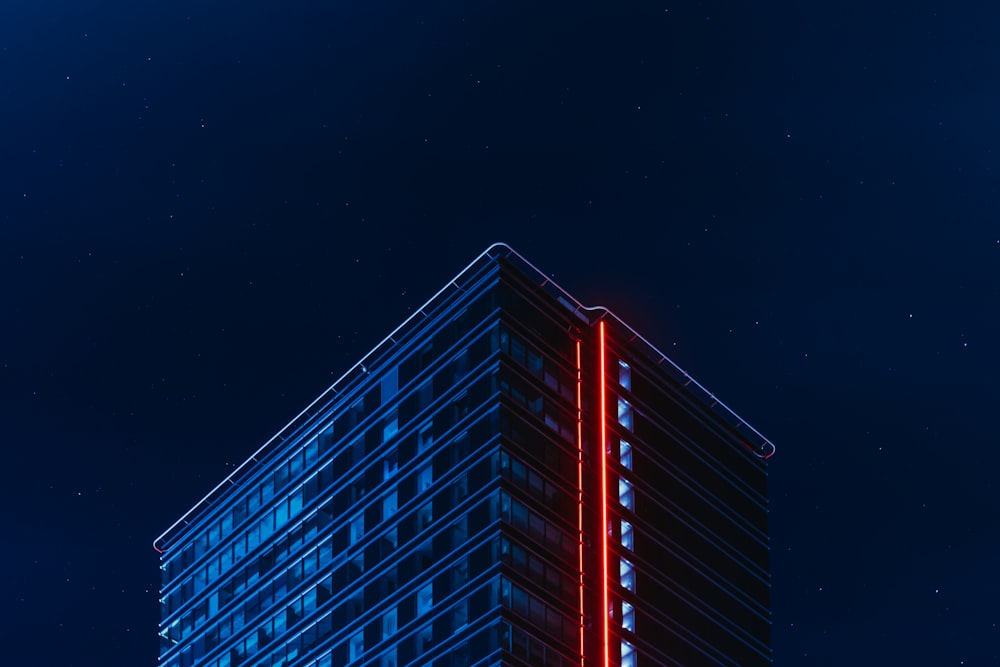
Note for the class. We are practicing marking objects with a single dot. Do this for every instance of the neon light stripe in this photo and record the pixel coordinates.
(604, 496)
(579, 487)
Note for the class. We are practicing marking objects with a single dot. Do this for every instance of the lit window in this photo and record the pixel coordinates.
(425, 395)
(357, 528)
(425, 515)
(626, 494)
(624, 375)
(628, 538)
(460, 615)
(517, 350)
(392, 538)
(461, 364)
(425, 478)
(390, 425)
(311, 451)
(389, 624)
(356, 411)
(460, 573)
(250, 643)
(390, 384)
(625, 413)
(552, 422)
(356, 646)
(389, 505)
(625, 454)
(534, 362)
(628, 655)
(390, 464)
(628, 617)
(425, 638)
(626, 571)
(424, 439)
(425, 599)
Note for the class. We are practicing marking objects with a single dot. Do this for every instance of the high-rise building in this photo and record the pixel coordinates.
(509, 478)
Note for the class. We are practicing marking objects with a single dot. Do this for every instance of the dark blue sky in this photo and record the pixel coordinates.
(209, 211)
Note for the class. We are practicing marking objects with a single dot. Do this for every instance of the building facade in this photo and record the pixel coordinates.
(509, 478)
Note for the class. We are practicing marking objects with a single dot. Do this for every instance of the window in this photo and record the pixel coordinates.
(461, 364)
(628, 655)
(534, 362)
(358, 489)
(425, 438)
(389, 505)
(425, 599)
(628, 618)
(425, 395)
(311, 451)
(353, 414)
(459, 573)
(281, 513)
(390, 464)
(391, 538)
(625, 455)
(390, 384)
(357, 528)
(356, 646)
(425, 515)
(626, 494)
(250, 643)
(624, 375)
(389, 624)
(460, 615)
(626, 571)
(266, 526)
(625, 413)
(424, 638)
(628, 538)
(390, 425)
(517, 350)
(425, 478)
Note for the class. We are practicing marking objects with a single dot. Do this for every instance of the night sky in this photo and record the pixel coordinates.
(210, 210)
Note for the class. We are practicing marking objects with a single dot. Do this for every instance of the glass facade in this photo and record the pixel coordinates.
(461, 498)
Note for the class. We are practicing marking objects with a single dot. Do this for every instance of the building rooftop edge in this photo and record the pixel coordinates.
(764, 449)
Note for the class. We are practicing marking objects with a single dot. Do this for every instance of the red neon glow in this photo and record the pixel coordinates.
(579, 487)
(605, 607)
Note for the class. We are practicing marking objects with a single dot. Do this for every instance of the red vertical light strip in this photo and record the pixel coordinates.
(605, 608)
(579, 488)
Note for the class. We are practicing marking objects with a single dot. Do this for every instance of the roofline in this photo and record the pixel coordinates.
(495, 251)
(764, 450)
(359, 366)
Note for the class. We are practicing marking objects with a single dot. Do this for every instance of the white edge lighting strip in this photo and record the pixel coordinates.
(490, 253)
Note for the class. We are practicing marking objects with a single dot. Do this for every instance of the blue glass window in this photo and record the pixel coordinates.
(624, 375)
(625, 454)
(625, 413)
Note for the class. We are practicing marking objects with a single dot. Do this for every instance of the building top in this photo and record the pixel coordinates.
(755, 442)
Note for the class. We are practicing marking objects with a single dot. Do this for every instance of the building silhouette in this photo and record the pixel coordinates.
(509, 478)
